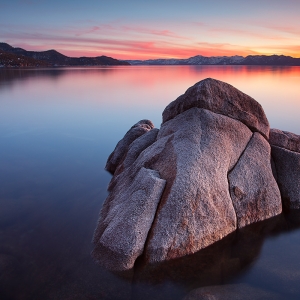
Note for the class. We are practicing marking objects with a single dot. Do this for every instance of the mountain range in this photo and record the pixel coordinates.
(262, 60)
(18, 57)
(11, 57)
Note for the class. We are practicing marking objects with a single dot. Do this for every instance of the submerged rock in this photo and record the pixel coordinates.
(177, 190)
(232, 292)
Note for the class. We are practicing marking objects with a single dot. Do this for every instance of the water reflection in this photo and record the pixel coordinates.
(8, 77)
(218, 264)
(57, 128)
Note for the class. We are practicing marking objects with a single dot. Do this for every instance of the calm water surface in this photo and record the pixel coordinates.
(57, 128)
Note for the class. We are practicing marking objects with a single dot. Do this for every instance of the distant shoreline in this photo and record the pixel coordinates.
(11, 57)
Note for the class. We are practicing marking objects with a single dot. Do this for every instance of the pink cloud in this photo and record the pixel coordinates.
(133, 42)
(164, 33)
(257, 33)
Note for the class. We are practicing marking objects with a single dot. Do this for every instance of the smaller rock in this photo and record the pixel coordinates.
(288, 176)
(285, 139)
(121, 149)
(232, 292)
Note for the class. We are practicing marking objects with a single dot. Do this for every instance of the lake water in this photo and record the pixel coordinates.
(57, 128)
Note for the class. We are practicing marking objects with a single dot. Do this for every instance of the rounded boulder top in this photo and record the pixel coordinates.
(222, 98)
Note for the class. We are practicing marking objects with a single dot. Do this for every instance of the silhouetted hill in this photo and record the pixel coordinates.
(17, 60)
(54, 58)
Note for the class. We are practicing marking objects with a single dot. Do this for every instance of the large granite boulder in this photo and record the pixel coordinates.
(205, 173)
(286, 156)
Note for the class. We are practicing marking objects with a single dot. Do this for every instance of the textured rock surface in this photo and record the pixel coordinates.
(124, 230)
(232, 292)
(285, 139)
(136, 147)
(222, 98)
(288, 176)
(196, 209)
(121, 149)
(254, 191)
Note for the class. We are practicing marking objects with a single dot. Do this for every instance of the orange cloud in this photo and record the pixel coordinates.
(256, 33)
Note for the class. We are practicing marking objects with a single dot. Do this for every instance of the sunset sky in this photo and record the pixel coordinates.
(135, 29)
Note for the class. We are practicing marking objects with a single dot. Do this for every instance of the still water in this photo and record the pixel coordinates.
(57, 128)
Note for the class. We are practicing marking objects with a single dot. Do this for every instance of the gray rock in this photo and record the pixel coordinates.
(127, 223)
(121, 149)
(222, 98)
(232, 292)
(196, 209)
(288, 176)
(193, 153)
(253, 189)
(285, 139)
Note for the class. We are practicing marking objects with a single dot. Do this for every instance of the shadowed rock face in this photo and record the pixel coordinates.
(285, 139)
(177, 190)
(254, 191)
(288, 176)
(286, 156)
(221, 98)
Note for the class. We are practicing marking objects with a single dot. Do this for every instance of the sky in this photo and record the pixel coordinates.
(135, 29)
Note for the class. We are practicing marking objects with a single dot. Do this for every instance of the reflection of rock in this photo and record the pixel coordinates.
(9, 273)
(279, 265)
(285, 152)
(213, 160)
(216, 264)
(232, 292)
